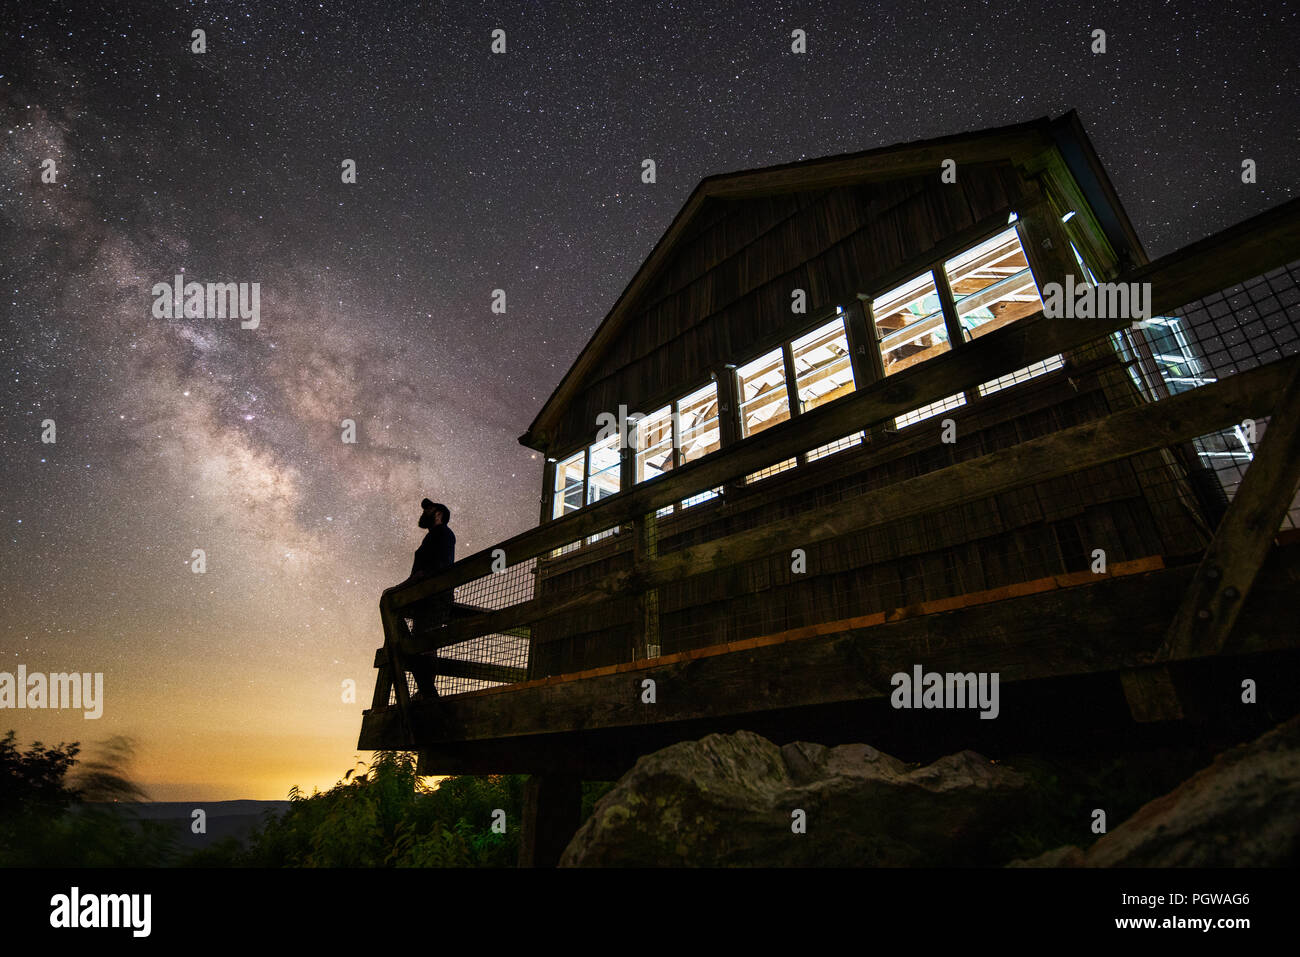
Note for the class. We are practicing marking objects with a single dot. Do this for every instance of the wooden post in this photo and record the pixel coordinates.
(552, 812)
(728, 416)
(1224, 577)
(956, 334)
(395, 631)
(867, 357)
(645, 547)
(1151, 694)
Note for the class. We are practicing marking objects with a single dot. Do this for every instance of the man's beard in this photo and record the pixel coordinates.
(426, 521)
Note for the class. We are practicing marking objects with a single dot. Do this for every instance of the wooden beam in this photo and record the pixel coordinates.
(460, 668)
(1104, 628)
(1117, 436)
(1248, 249)
(1227, 572)
(881, 164)
(552, 813)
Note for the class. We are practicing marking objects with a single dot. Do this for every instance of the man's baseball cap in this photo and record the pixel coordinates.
(425, 503)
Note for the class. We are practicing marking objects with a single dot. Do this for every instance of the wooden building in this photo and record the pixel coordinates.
(826, 433)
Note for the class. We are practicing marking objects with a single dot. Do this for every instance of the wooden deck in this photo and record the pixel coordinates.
(1084, 625)
(1135, 642)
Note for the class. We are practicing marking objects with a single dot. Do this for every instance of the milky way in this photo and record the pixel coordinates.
(475, 171)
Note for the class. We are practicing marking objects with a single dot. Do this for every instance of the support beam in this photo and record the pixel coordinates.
(1227, 572)
(552, 812)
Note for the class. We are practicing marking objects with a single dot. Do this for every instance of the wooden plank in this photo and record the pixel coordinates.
(1106, 627)
(481, 671)
(1056, 454)
(460, 668)
(1227, 571)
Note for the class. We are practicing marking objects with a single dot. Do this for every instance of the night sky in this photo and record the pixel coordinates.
(475, 171)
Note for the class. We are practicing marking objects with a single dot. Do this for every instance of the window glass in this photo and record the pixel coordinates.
(909, 324)
(654, 442)
(830, 448)
(928, 411)
(568, 485)
(605, 468)
(1023, 375)
(697, 417)
(822, 369)
(764, 401)
(771, 470)
(992, 284)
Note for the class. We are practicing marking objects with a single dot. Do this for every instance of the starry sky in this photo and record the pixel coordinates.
(475, 171)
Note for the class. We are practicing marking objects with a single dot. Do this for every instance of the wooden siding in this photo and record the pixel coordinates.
(727, 288)
(1131, 509)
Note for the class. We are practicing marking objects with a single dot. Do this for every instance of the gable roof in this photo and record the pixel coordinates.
(1016, 143)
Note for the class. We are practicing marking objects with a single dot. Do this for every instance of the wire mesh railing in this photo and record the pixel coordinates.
(1247, 325)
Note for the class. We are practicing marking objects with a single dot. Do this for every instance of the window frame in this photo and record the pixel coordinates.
(934, 266)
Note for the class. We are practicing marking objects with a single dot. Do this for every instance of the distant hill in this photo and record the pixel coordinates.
(224, 818)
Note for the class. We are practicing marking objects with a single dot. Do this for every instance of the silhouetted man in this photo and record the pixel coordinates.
(436, 552)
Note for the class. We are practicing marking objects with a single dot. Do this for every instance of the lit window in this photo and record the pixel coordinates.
(927, 411)
(771, 470)
(909, 324)
(697, 417)
(992, 284)
(1023, 375)
(699, 432)
(654, 443)
(830, 448)
(605, 467)
(1087, 273)
(822, 369)
(603, 480)
(764, 401)
(701, 497)
(568, 485)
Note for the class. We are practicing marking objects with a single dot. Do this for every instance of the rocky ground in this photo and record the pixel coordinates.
(740, 800)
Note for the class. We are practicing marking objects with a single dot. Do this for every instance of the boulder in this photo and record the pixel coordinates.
(733, 800)
(1241, 811)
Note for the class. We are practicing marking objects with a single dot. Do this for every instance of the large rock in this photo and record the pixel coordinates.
(1241, 811)
(729, 800)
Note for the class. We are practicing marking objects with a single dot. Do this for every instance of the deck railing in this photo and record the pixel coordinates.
(498, 604)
